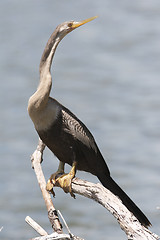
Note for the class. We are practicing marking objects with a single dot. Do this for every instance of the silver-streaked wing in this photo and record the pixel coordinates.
(78, 130)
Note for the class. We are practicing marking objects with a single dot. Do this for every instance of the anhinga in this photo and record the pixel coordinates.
(64, 134)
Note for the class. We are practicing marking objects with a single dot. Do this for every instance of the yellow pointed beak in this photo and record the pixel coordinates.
(78, 24)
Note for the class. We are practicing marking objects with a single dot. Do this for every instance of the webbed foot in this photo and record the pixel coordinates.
(63, 181)
(53, 178)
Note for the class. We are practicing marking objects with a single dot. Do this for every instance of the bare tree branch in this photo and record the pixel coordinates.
(36, 159)
(36, 226)
(53, 236)
(127, 221)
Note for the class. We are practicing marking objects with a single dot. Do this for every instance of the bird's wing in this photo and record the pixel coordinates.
(77, 129)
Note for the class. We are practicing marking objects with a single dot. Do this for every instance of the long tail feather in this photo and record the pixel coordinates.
(111, 185)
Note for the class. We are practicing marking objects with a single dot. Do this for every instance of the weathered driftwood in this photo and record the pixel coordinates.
(36, 159)
(127, 221)
(53, 236)
(36, 226)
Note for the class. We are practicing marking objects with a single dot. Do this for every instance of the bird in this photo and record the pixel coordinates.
(65, 134)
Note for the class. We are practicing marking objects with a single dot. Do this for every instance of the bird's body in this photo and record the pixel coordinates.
(68, 136)
(63, 133)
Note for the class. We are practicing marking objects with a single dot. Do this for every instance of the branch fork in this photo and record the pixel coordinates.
(128, 223)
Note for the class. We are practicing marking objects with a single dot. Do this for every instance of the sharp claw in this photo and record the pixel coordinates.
(52, 182)
(49, 187)
(62, 180)
(73, 195)
(52, 192)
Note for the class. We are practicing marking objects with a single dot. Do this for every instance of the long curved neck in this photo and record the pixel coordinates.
(39, 99)
(47, 56)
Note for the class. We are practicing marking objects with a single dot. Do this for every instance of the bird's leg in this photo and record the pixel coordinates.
(52, 180)
(65, 180)
(61, 179)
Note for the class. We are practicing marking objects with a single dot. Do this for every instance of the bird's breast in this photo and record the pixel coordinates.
(43, 119)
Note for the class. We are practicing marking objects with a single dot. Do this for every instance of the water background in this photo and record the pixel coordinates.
(108, 73)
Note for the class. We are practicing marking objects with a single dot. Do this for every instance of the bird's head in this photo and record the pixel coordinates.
(60, 32)
(64, 28)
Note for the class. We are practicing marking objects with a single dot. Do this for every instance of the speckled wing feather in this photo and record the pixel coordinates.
(78, 130)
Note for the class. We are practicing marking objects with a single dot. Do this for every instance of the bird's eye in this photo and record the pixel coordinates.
(70, 25)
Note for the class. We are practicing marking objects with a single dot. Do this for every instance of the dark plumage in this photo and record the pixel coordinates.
(63, 133)
(69, 135)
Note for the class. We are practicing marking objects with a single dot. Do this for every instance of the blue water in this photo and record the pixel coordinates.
(107, 72)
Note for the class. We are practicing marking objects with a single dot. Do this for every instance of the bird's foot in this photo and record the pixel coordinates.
(52, 182)
(63, 180)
